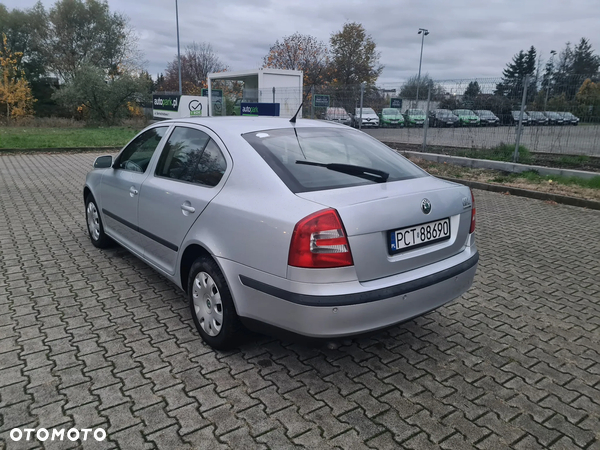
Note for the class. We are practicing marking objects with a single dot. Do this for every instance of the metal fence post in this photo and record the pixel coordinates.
(426, 123)
(312, 102)
(273, 94)
(520, 126)
(362, 93)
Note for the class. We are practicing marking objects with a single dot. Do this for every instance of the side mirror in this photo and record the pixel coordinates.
(103, 162)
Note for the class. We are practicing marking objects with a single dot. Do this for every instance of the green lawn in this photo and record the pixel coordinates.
(23, 137)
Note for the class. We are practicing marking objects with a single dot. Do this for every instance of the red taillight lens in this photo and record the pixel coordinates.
(472, 213)
(319, 241)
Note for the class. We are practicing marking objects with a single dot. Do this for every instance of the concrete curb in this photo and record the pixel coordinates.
(499, 165)
(546, 196)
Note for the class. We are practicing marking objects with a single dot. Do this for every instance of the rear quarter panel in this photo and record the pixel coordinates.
(252, 219)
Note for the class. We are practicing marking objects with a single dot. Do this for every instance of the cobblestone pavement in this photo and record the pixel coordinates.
(92, 338)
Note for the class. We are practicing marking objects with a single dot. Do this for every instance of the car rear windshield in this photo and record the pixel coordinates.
(290, 152)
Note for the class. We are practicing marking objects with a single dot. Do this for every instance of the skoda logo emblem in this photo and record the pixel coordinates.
(425, 206)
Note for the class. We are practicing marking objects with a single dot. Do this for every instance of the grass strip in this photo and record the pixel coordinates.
(33, 137)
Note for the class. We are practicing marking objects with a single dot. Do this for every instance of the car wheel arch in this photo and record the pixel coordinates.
(87, 191)
(191, 253)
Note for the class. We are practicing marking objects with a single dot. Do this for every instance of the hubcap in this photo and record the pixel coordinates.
(93, 221)
(207, 304)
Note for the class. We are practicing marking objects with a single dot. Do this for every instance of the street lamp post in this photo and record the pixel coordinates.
(552, 53)
(178, 53)
(423, 32)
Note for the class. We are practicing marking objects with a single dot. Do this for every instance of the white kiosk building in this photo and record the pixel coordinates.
(265, 86)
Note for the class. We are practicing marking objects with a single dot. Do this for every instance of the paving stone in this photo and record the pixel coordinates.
(94, 337)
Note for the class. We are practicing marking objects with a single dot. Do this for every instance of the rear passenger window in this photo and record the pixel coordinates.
(190, 155)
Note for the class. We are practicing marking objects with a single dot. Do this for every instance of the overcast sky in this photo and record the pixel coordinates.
(467, 38)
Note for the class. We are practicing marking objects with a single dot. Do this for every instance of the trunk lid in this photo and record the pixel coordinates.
(370, 213)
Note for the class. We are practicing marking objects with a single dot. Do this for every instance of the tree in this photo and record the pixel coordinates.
(104, 97)
(585, 63)
(22, 29)
(588, 98)
(522, 65)
(449, 102)
(575, 65)
(300, 52)
(86, 32)
(15, 92)
(409, 88)
(472, 90)
(197, 61)
(355, 58)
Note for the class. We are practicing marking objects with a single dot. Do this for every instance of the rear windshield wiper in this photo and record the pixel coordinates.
(367, 173)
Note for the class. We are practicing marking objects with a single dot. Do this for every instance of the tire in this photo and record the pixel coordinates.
(211, 305)
(94, 224)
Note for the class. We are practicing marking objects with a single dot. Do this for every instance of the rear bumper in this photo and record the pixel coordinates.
(319, 312)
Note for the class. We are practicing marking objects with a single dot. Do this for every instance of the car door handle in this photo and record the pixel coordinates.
(188, 208)
(133, 191)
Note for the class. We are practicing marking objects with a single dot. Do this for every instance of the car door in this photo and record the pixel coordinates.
(187, 177)
(119, 189)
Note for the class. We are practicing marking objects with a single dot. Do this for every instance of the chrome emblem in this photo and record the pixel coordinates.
(425, 206)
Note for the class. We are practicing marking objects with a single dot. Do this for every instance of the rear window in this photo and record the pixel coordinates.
(287, 151)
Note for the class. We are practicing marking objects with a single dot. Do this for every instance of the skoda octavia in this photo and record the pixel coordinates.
(311, 228)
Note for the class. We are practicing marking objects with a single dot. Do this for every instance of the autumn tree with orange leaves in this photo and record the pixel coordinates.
(15, 91)
(300, 52)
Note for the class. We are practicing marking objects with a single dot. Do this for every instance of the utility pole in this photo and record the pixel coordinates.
(552, 52)
(423, 32)
(178, 53)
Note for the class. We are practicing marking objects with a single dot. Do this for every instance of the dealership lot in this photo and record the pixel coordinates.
(579, 140)
(96, 339)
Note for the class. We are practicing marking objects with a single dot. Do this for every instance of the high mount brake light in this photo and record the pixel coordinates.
(319, 241)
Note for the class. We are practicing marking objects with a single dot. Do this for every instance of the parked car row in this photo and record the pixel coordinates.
(545, 118)
(392, 117)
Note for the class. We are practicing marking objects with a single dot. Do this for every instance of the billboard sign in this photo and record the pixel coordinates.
(396, 103)
(177, 106)
(259, 109)
(321, 101)
(217, 101)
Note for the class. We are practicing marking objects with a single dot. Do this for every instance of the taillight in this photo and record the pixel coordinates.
(319, 241)
(472, 213)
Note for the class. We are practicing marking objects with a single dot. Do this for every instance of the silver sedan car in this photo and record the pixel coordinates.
(310, 228)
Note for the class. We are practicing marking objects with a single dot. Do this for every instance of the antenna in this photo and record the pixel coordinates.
(293, 119)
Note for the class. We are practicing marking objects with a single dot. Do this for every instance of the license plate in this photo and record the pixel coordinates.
(419, 235)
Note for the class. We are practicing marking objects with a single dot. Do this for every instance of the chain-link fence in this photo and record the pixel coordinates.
(487, 116)
(465, 114)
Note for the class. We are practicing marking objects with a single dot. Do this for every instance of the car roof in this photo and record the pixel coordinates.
(240, 125)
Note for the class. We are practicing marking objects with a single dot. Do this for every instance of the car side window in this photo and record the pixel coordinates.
(191, 155)
(138, 153)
